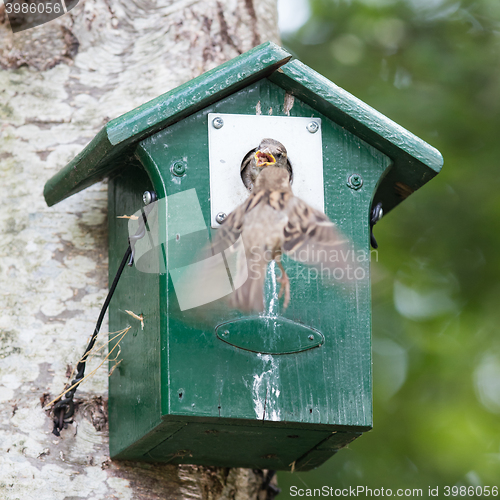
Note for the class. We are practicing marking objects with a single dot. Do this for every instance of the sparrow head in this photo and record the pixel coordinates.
(271, 152)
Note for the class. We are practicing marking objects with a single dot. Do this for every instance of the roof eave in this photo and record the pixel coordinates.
(116, 140)
(414, 161)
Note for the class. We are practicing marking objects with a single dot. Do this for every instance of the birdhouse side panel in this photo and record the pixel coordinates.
(134, 383)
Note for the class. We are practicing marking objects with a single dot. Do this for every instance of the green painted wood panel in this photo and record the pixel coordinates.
(335, 441)
(218, 442)
(330, 384)
(256, 446)
(134, 386)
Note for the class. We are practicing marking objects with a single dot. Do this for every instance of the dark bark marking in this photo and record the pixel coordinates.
(224, 29)
(27, 49)
(60, 318)
(253, 23)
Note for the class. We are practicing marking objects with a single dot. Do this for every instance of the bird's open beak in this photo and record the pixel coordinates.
(264, 159)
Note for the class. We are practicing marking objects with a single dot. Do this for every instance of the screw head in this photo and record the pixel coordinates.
(179, 168)
(377, 213)
(218, 122)
(226, 332)
(312, 127)
(220, 217)
(147, 197)
(355, 181)
(311, 337)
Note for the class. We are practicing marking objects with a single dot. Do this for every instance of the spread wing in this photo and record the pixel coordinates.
(232, 226)
(230, 229)
(311, 238)
(267, 218)
(247, 276)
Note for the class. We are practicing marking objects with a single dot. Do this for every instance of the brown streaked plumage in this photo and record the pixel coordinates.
(268, 152)
(273, 221)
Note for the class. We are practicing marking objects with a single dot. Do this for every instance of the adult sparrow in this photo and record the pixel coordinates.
(273, 221)
(268, 153)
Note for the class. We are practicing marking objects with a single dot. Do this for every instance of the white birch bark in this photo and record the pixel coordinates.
(59, 84)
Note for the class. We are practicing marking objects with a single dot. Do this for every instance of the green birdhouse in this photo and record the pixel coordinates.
(201, 382)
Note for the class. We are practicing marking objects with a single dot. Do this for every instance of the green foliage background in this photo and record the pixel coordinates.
(433, 66)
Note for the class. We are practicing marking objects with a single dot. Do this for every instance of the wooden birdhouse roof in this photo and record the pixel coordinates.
(414, 161)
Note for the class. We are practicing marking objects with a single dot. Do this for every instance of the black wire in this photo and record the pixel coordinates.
(80, 368)
(64, 409)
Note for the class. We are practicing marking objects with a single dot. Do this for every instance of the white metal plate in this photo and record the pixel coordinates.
(229, 144)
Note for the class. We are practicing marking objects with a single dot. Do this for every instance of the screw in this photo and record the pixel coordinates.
(179, 168)
(226, 332)
(355, 181)
(220, 217)
(311, 337)
(218, 122)
(312, 127)
(148, 197)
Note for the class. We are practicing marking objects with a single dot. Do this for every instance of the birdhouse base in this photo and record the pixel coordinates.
(239, 443)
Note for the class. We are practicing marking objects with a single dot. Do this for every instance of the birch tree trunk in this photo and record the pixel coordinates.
(60, 82)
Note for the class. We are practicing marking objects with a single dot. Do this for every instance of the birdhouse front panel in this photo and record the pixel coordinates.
(310, 364)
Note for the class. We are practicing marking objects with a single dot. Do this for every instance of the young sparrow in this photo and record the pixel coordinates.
(273, 221)
(268, 153)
